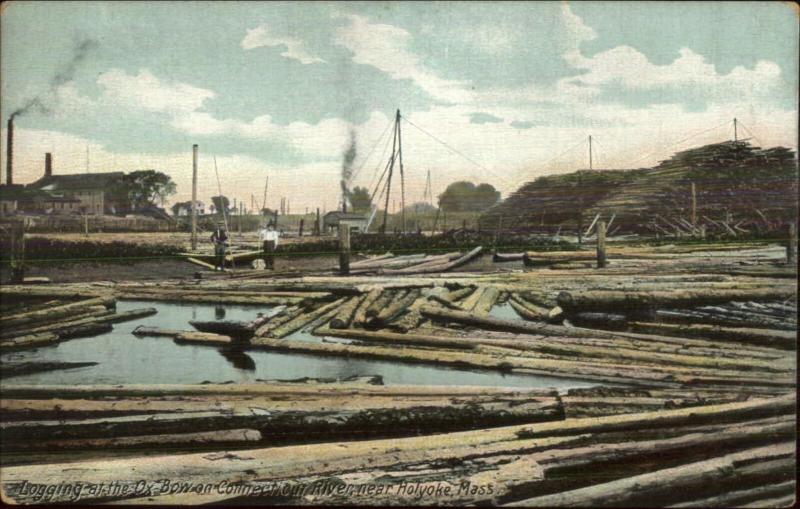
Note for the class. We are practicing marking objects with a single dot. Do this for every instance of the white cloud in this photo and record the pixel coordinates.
(145, 91)
(260, 37)
(385, 47)
(491, 39)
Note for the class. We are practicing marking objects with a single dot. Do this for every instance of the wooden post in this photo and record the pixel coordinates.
(194, 197)
(318, 225)
(601, 244)
(302, 221)
(791, 247)
(344, 249)
(694, 205)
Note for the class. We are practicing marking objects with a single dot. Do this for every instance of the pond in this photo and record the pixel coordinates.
(126, 359)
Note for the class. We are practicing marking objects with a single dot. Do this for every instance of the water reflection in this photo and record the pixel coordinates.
(238, 358)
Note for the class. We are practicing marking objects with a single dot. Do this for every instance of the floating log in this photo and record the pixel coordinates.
(278, 320)
(29, 341)
(402, 339)
(202, 338)
(201, 263)
(612, 300)
(86, 315)
(394, 309)
(83, 331)
(155, 332)
(528, 310)
(360, 314)
(507, 257)
(10, 369)
(55, 313)
(454, 296)
(205, 438)
(345, 313)
(764, 337)
(381, 302)
(671, 483)
(303, 319)
(486, 301)
(233, 328)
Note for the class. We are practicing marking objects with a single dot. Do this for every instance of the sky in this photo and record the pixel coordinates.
(498, 92)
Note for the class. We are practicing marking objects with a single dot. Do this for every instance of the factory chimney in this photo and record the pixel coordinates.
(48, 164)
(10, 152)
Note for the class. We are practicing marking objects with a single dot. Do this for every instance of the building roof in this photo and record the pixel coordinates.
(99, 181)
(20, 192)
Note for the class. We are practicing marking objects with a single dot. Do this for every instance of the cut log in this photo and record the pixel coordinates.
(394, 309)
(56, 313)
(233, 328)
(280, 319)
(304, 319)
(486, 301)
(155, 332)
(29, 341)
(507, 257)
(10, 369)
(740, 497)
(611, 300)
(202, 338)
(201, 263)
(205, 438)
(401, 339)
(764, 337)
(667, 484)
(453, 297)
(88, 315)
(381, 302)
(360, 314)
(83, 331)
(346, 312)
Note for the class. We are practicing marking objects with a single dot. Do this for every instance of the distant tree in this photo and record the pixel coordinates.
(360, 199)
(463, 196)
(145, 188)
(267, 212)
(180, 206)
(221, 203)
(420, 208)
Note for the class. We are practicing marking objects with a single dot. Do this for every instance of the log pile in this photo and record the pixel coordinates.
(413, 264)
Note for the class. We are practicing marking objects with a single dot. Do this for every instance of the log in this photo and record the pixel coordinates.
(786, 340)
(201, 263)
(469, 303)
(740, 497)
(88, 316)
(55, 313)
(507, 257)
(233, 328)
(394, 309)
(451, 298)
(402, 339)
(381, 302)
(612, 300)
(344, 315)
(303, 319)
(83, 331)
(10, 369)
(29, 341)
(528, 310)
(278, 320)
(486, 301)
(170, 440)
(202, 338)
(460, 261)
(670, 483)
(360, 315)
(155, 332)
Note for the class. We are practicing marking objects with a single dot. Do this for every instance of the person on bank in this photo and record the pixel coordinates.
(219, 237)
(269, 240)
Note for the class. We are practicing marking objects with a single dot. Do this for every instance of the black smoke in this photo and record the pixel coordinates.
(347, 168)
(39, 103)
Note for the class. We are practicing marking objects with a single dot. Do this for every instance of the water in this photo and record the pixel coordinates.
(125, 358)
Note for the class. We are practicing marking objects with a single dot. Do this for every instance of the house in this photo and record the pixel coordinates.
(16, 198)
(332, 220)
(184, 208)
(90, 193)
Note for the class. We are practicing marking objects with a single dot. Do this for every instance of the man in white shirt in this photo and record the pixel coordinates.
(269, 241)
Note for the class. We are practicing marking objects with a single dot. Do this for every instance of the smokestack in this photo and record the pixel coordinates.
(10, 152)
(48, 164)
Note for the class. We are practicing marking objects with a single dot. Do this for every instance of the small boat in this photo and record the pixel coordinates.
(232, 328)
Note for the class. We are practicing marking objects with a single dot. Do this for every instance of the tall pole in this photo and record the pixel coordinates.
(590, 151)
(194, 197)
(389, 180)
(266, 186)
(402, 179)
(601, 244)
(694, 205)
(735, 130)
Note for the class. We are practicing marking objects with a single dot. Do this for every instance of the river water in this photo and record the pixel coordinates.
(126, 359)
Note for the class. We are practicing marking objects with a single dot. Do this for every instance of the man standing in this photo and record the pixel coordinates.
(269, 239)
(219, 237)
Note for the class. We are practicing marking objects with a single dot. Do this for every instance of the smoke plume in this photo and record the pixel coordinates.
(347, 168)
(64, 75)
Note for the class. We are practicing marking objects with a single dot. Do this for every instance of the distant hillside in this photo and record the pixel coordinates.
(745, 187)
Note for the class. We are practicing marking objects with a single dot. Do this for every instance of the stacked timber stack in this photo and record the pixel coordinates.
(717, 455)
(659, 200)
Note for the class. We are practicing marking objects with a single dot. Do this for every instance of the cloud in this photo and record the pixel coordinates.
(522, 124)
(491, 39)
(260, 37)
(386, 48)
(483, 118)
(147, 92)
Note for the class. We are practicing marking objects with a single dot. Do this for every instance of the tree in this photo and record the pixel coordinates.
(360, 199)
(181, 205)
(421, 207)
(146, 187)
(221, 203)
(463, 196)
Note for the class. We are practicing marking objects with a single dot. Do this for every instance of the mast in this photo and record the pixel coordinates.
(402, 178)
(735, 130)
(590, 151)
(389, 180)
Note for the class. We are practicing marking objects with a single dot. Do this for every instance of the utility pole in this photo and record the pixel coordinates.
(266, 186)
(590, 151)
(194, 197)
(389, 180)
(735, 130)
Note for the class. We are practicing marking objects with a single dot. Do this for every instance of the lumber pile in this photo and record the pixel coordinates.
(414, 263)
(715, 454)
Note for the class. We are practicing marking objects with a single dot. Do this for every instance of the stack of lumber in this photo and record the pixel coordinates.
(740, 190)
(58, 320)
(719, 454)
